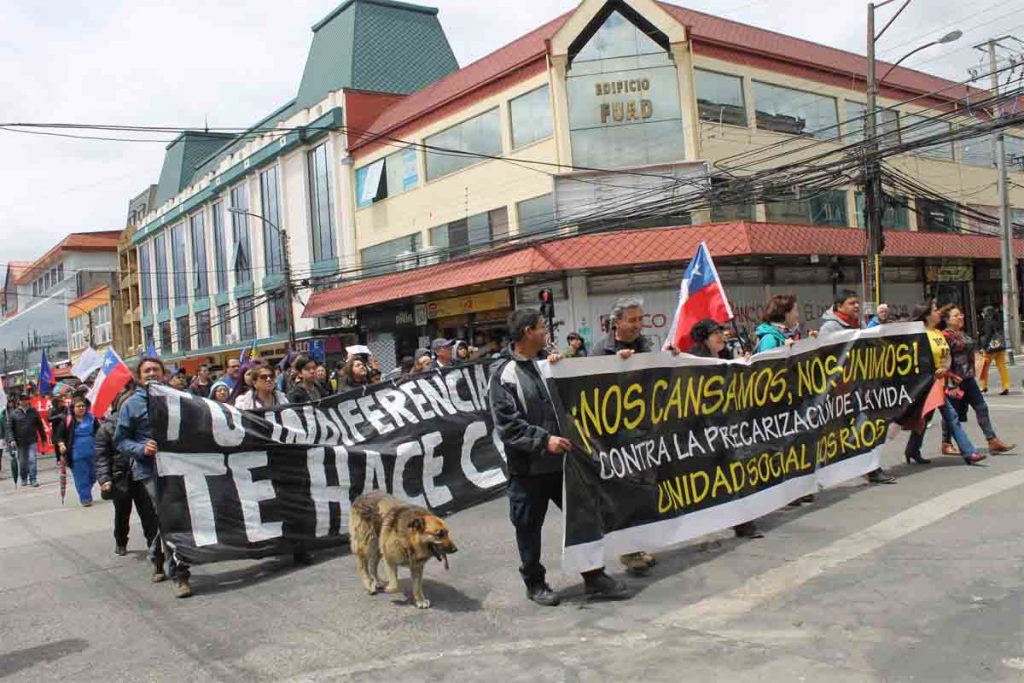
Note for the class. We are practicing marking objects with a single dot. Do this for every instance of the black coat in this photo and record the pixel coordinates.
(991, 328)
(111, 464)
(26, 425)
(609, 346)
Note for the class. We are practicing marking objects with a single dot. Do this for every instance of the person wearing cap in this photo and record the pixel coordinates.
(25, 426)
(709, 342)
(442, 349)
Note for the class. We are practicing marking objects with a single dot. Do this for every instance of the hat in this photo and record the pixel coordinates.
(704, 329)
(440, 343)
(419, 354)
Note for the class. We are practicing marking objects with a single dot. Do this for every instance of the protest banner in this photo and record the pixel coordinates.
(238, 485)
(671, 448)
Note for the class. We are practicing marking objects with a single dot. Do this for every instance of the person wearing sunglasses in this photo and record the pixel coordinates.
(264, 393)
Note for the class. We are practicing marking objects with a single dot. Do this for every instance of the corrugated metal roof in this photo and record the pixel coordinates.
(647, 248)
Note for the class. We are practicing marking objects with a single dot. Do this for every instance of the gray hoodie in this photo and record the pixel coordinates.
(832, 323)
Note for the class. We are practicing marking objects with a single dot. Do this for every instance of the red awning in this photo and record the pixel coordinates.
(650, 246)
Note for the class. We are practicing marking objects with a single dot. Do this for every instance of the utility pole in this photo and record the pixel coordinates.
(1011, 317)
(872, 180)
(289, 293)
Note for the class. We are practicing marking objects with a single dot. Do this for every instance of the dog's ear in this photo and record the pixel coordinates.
(417, 524)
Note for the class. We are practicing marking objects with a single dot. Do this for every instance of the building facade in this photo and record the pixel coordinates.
(91, 322)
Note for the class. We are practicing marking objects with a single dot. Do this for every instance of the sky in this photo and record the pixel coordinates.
(231, 62)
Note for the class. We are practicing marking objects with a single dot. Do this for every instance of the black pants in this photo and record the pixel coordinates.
(123, 511)
(528, 504)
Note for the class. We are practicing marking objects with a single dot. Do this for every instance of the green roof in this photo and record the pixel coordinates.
(181, 159)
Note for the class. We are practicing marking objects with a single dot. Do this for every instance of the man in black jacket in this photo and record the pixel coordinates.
(114, 475)
(26, 426)
(525, 423)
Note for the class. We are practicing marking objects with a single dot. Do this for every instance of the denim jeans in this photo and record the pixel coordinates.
(26, 464)
(950, 420)
(975, 399)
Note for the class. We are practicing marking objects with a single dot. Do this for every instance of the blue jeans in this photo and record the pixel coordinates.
(25, 464)
(950, 420)
(975, 399)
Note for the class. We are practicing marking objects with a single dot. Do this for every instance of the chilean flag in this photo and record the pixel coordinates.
(113, 377)
(701, 296)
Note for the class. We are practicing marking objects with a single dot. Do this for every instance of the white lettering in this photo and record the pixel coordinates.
(251, 492)
(194, 468)
(488, 478)
(437, 494)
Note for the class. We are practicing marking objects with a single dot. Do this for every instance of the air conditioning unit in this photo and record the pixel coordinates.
(405, 260)
(430, 256)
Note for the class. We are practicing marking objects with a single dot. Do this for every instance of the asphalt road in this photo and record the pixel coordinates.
(921, 581)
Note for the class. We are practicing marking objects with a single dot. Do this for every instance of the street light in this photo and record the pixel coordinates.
(873, 195)
(287, 269)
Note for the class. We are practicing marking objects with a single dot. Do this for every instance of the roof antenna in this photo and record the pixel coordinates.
(206, 123)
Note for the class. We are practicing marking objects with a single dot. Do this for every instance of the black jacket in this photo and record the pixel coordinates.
(111, 464)
(609, 346)
(26, 425)
(299, 394)
(991, 329)
(523, 416)
(57, 418)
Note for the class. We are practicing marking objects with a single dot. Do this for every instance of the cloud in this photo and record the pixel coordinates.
(232, 62)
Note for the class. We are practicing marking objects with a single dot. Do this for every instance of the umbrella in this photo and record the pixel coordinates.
(63, 480)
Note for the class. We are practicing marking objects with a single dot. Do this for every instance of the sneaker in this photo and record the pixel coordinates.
(35, 484)
(604, 587)
(303, 557)
(120, 550)
(975, 458)
(182, 588)
(635, 564)
(1004, 392)
(87, 504)
(880, 476)
(543, 595)
(949, 449)
(158, 576)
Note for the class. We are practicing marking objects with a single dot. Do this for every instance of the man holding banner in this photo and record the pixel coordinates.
(525, 423)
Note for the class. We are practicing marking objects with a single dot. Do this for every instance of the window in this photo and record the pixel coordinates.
(147, 337)
(270, 209)
(102, 330)
(184, 334)
(721, 210)
(165, 337)
(204, 333)
(321, 203)
(220, 245)
(160, 270)
(531, 117)
(178, 264)
(537, 215)
(200, 277)
(936, 216)
(241, 253)
(785, 110)
(720, 98)
(60, 272)
(471, 234)
(396, 254)
(1014, 148)
(53, 276)
(978, 151)
(246, 319)
(394, 174)
(822, 208)
(35, 288)
(277, 315)
(78, 332)
(224, 322)
(920, 127)
(888, 121)
(480, 135)
(46, 281)
(144, 276)
(895, 217)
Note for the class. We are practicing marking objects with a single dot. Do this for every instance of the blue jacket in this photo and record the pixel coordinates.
(769, 336)
(133, 432)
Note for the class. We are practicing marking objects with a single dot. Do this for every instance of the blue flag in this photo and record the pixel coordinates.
(151, 350)
(45, 375)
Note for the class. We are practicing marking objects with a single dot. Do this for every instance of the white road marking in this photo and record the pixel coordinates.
(740, 602)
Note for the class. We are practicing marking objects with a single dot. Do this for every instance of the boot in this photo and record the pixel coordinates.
(635, 564)
(949, 449)
(999, 446)
(182, 588)
(600, 586)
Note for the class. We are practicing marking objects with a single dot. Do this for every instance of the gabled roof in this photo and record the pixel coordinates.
(182, 158)
(103, 240)
(711, 35)
(15, 269)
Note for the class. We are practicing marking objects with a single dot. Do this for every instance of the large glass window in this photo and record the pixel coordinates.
(145, 275)
(179, 264)
(537, 215)
(888, 121)
(919, 127)
(822, 208)
(396, 254)
(471, 234)
(204, 333)
(184, 334)
(77, 327)
(480, 135)
(270, 209)
(936, 216)
(102, 330)
(796, 112)
(623, 92)
(321, 202)
(224, 322)
(160, 271)
(246, 319)
(979, 151)
(720, 98)
(895, 217)
(394, 174)
(241, 252)
(200, 277)
(531, 117)
(220, 248)
(165, 337)
(1014, 148)
(277, 315)
(724, 204)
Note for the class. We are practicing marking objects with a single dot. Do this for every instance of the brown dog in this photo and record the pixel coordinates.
(385, 527)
